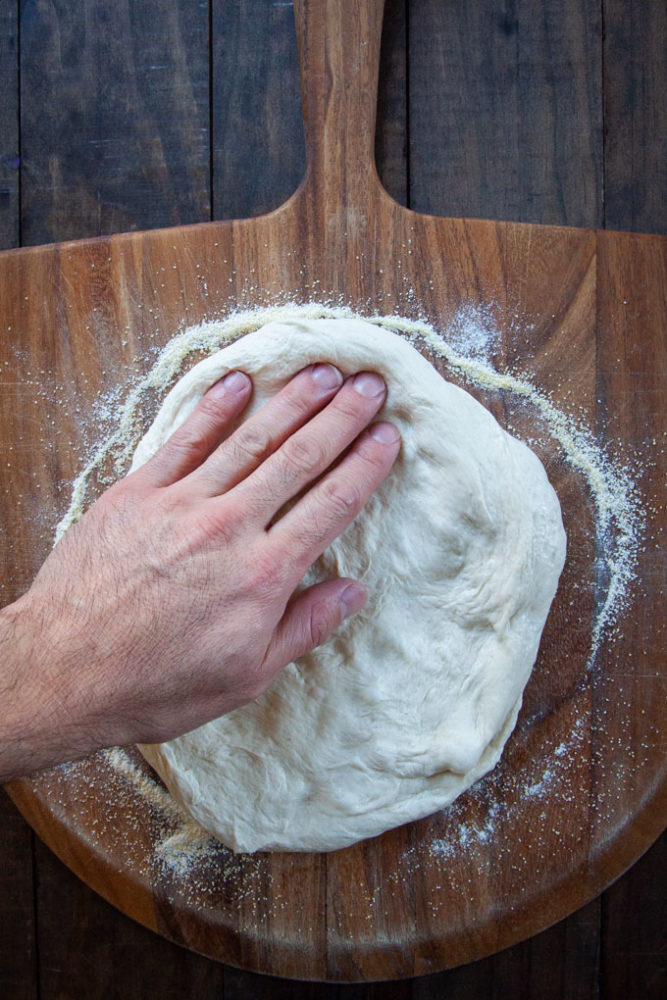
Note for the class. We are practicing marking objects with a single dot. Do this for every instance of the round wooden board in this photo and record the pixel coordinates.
(580, 791)
(573, 801)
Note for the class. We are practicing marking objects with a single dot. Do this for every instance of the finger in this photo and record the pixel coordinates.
(333, 503)
(266, 430)
(201, 432)
(313, 448)
(310, 618)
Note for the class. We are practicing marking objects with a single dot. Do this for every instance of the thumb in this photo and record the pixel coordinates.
(310, 618)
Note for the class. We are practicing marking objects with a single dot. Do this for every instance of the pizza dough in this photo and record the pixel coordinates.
(411, 700)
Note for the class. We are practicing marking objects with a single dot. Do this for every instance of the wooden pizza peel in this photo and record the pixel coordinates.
(581, 314)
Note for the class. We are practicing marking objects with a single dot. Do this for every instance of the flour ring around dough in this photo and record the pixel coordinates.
(412, 700)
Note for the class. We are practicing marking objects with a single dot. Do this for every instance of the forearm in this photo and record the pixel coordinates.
(37, 728)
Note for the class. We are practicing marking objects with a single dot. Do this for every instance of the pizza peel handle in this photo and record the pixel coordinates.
(339, 53)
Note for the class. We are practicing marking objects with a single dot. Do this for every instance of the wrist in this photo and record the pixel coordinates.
(39, 725)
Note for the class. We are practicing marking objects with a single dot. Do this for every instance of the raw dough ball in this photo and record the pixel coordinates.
(412, 700)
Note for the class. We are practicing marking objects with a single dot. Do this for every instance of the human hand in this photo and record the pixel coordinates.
(171, 601)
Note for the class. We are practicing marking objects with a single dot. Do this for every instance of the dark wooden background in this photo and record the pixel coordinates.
(133, 115)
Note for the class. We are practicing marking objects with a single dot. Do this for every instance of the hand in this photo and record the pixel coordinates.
(172, 600)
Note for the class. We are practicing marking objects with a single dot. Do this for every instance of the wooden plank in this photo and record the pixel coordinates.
(257, 131)
(18, 945)
(114, 117)
(635, 84)
(240, 985)
(391, 134)
(462, 983)
(563, 961)
(505, 110)
(9, 126)
(634, 915)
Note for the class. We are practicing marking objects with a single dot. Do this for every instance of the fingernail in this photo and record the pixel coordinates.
(352, 599)
(236, 381)
(326, 376)
(368, 384)
(385, 433)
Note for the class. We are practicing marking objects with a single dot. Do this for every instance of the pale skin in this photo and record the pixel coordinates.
(172, 601)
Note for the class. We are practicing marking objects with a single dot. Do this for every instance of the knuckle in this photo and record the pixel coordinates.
(185, 439)
(351, 406)
(341, 499)
(251, 443)
(120, 501)
(221, 524)
(371, 455)
(214, 408)
(265, 577)
(319, 624)
(298, 404)
(302, 455)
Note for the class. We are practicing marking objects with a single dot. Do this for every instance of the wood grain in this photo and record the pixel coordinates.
(257, 131)
(505, 116)
(506, 969)
(115, 133)
(18, 953)
(635, 154)
(633, 961)
(9, 126)
(391, 133)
